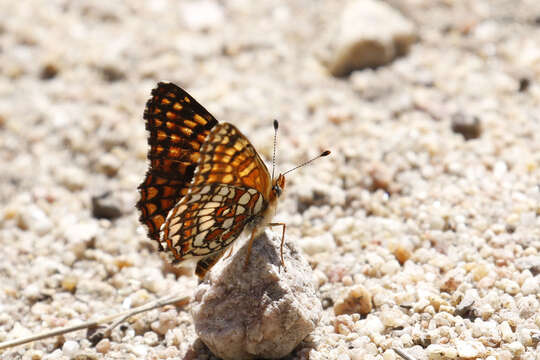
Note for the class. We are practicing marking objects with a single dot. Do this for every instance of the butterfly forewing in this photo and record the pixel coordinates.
(227, 157)
(178, 126)
(227, 192)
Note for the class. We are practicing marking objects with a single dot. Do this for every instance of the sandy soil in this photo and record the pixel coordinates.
(442, 232)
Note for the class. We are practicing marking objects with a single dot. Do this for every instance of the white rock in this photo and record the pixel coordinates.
(151, 338)
(509, 286)
(516, 348)
(371, 33)
(261, 311)
(36, 220)
(33, 355)
(167, 320)
(393, 318)
(318, 244)
(71, 177)
(370, 326)
(200, 15)
(436, 351)
(139, 350)
(389, 354)
(531, 286)
(506, 332)
(70, 348)
(469, 349)
(356, 300)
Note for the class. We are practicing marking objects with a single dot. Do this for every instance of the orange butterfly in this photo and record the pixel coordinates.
(206, 183)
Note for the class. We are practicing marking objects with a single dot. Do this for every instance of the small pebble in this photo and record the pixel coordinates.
(49, 71)
(393, 318)
(466, 125)
(105, 206)
(436, 351)
(139, 350)
(151, 338)
(167, 320)
(36, 220)
(531, 286)
(516, 348)
(469, 349)
(506, 332)
(33, 354)
(70, 348)
(69, 283)
(103, 346)
(356, 300)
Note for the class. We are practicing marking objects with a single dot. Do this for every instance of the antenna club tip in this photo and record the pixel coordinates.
(325, 153)
(276, 124)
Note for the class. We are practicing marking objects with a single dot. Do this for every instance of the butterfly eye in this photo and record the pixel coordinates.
(277, 190)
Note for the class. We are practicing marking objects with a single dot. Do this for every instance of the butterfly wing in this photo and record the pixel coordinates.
(178, 126)
(228, 191)
(229, 158)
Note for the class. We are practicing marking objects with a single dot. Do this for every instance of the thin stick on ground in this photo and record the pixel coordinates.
(179, 300)
(403, 354)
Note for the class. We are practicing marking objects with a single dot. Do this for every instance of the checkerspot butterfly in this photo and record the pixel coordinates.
(205, 184)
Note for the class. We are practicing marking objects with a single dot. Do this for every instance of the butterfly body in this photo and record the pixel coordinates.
(206, 183)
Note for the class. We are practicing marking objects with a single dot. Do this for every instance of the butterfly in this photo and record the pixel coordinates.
(205, 184)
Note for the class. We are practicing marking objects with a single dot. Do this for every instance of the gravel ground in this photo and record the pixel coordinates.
(429, 204)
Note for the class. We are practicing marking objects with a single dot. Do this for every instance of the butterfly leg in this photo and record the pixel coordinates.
(282, 241)
(249, 248)
(205, 264)
(230, 252)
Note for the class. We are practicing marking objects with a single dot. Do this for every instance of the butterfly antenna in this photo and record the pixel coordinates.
(276, 125)
(324, 153)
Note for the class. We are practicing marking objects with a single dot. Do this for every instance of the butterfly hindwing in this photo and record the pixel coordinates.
(209, 219)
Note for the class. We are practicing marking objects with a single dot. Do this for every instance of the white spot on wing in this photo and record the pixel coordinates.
(258, 205)
(240, 210)
(206, 225)
(205, 218)
(174, 229)
(179, 210)
(223, 191)
(205, 211)
(228, 223)
(217, 198)
(211, 204)
(205, 189)
(199, 239)
(244, 199)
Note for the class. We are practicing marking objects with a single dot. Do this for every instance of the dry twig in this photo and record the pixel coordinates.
(178, 300)
(403, 354)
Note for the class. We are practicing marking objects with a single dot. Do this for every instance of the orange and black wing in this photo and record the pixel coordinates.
(227, 157)
(227, 192)
(178, 127)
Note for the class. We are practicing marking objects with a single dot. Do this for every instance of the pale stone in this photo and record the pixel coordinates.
(356, 299)
(371, 33)
(259, 311)
(436, 351)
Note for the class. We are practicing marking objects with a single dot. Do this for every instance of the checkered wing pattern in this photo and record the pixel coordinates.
(229, 190)
(178, 126)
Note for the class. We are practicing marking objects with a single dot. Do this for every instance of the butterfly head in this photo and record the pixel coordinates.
(278, 185)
